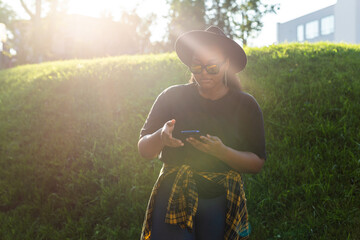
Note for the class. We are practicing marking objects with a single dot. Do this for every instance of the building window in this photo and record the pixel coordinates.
(327, 25)
(312, 29)
(300, 33)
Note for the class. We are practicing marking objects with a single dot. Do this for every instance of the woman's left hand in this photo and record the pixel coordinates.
(209, 144)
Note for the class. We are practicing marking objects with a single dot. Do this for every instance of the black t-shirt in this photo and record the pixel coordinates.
(235, 118)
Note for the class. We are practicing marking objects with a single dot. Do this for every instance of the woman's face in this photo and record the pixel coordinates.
(208, 56)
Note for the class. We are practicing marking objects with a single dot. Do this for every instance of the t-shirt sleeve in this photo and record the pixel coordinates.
(255, 134)
(158, 115)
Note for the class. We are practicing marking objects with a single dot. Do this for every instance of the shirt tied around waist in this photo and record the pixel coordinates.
(183, 201)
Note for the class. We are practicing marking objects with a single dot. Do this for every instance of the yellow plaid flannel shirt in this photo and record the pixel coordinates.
(183, 201)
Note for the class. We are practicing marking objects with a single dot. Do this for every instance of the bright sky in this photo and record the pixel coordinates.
(289, 9)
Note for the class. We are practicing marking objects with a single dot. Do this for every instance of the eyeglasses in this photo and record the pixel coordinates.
(210, 68)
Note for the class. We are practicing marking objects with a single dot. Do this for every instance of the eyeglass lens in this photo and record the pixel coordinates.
(211, 69)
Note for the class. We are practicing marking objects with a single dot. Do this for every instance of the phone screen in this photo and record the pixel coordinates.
(190, 133)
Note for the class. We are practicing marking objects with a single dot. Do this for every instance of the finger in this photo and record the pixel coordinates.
(196, 143)
(172, 140)
(175, 144)
(171, 126)
(171, 122)
(176, 141)
(205, 139)
(193, 143)
(209, 136)
(192, 139)
(215, 138)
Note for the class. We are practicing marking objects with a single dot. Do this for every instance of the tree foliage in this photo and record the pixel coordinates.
(139, 29)
(6, 13)
(6, 16)
(239, 19)
(185, 15)
(37, 45)
(82, 36)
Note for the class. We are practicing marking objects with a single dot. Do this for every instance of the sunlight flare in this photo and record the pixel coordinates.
(97, 8)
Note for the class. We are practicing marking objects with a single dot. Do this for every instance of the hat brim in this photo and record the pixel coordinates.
(189, 42)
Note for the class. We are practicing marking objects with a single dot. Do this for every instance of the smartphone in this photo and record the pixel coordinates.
(190, 133)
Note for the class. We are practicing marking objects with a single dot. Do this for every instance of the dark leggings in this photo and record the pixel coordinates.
(209, 221)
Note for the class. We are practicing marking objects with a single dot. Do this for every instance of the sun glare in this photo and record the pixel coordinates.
(98, 7)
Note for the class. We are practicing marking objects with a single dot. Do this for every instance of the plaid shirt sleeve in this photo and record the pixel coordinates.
(183, 202)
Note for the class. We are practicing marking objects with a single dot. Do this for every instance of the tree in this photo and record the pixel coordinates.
(137, 31)
(37, 29)
(51, 34)
(6, 14)
(184, 15)
(6, 17)
(238, 18)
(39, 42)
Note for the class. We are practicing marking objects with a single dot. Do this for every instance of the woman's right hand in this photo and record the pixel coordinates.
(166, 135)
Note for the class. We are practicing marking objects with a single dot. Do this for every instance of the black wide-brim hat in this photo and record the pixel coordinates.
(191, 41)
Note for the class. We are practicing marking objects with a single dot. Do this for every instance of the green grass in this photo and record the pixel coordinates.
(69, 167)
(310, 185)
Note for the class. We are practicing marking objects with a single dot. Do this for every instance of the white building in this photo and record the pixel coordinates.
(337, 23)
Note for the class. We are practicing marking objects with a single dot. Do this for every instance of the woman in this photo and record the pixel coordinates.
(199, 192)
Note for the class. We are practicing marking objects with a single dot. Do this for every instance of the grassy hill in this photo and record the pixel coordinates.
(69, 167)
